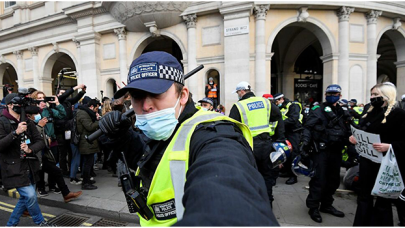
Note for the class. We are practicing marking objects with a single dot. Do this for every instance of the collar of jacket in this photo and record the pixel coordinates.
(89, 111)
(9, 116)
(247, 95)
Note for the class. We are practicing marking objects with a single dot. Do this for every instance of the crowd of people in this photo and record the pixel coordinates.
(191, 155)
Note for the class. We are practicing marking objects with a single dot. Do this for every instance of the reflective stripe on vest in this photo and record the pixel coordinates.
(213, 94)
(255, 113)
(273, 126)
(167, 187)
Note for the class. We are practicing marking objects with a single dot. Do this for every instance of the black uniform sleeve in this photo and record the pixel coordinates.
(293, 114)
(275, 116)
(234, 114)
(223, 186)
(310, 123)
(206, 90)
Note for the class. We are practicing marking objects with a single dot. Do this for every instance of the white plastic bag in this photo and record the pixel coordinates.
(389, 183)
(68, 134)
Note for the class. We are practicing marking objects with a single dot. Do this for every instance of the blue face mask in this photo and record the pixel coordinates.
(37, 118)
(158, 125)
(204, 109)
(332, 99)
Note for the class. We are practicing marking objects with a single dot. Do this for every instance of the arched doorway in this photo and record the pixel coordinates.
(386, 69)
(56, 65)
(111, 88)
(166, 44)
(215, 75)
(8, 77)
(296, 66)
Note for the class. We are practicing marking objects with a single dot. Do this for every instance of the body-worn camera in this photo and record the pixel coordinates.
(134, 195)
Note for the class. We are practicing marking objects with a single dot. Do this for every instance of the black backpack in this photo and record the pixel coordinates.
(75, 135)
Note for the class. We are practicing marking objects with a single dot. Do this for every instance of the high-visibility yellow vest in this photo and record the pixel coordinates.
(273, 126)
(359, 110)
(167, 187)
(255, 113)
(285, 110)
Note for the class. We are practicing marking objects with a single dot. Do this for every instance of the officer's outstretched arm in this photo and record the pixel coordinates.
(223, 186)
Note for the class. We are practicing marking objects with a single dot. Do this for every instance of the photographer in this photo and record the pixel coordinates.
(18, 160)
(47, 159)
(64, 124)
(58, 112)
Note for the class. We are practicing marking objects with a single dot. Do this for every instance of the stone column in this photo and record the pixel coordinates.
(90, 62)
(191, 21)
(371, 78)
(261, 86)
(400, 78)
(343, 65)
(79, 73)
(236, 47)
(20, 68)
(122, 40)
(35, 70)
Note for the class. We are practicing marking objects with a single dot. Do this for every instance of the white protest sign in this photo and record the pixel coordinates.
(364, 145)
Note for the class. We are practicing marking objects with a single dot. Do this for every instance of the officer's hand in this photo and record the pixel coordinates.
(304, 149)
(110, 124)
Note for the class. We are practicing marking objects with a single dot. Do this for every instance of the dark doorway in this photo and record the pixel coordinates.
(165, 44)
(65, 63)
(9, 79)
(386, 69)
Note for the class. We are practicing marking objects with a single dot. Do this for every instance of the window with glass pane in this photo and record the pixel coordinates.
(9, 3)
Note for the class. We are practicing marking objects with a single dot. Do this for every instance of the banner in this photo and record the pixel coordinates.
(364, 145)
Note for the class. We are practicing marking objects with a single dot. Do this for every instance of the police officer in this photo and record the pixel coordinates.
(292, 117)
(196, 167)
(206, 104)
(355, 111)
(257, 113)
(328, 130)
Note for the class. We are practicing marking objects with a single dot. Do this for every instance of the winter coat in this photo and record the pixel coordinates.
(14, 170)
(57, 113)
(86, 125)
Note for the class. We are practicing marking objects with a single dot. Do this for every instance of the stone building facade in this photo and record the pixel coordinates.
(297, 48)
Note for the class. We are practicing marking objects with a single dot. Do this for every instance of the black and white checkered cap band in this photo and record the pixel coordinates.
(171, 73)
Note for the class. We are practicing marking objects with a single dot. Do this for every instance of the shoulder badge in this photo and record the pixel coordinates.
(328, 109)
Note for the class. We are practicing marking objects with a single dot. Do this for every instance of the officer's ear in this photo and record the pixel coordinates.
(184, 95)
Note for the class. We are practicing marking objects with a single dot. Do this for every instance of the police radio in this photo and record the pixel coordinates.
(134, 195)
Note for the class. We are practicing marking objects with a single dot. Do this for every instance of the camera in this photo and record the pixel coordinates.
(50, 119)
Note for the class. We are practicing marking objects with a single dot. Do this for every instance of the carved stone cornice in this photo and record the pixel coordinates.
(33, 50)
(76, 42)
(88, 12)
(260, 11)
(303, 14)
(372, 16)
(18, 54)
(121, 33)
(190, 20)
(344, 12)
(396, 23)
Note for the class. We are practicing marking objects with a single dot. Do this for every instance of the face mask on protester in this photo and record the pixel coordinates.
(158, 125)
(332, 99)
(37, 118)
(377, 101)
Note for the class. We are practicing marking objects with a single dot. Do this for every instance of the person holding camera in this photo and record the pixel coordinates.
(62, 125)
(58, 112)
(214, 152)
(20, 142)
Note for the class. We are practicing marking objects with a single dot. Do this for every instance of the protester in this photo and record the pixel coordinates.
(384, 118)
(48, 162)
(18, 170)
(223, 186)
(63, 125)
(327, 129)
(58, 112)
(220, 109)
(87, 123)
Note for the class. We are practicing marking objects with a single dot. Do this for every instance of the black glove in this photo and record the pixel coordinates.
(112, 123)
(304, 149)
